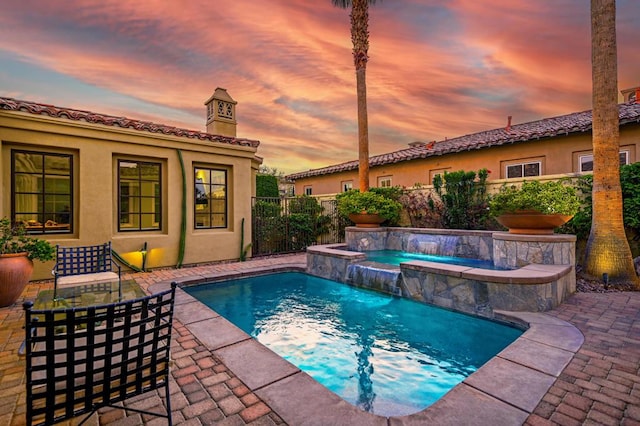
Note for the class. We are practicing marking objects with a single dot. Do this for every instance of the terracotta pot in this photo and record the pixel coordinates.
(15, 272)
(529, 222)
(365, 220)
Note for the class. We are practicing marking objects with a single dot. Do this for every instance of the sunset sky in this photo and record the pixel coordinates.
(437, 68)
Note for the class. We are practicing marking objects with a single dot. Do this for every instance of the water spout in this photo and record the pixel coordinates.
(372, 275)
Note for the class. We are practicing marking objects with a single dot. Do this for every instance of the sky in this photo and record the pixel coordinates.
(437, 68)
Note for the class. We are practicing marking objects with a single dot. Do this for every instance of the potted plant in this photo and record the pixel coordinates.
(534, 207)
(368, 209)
(17, 252)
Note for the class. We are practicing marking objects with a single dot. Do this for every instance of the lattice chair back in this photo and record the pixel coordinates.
(81, 359)
(85, 265)
(84, 259)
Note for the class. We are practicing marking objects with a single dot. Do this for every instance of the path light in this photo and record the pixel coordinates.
(143, 252)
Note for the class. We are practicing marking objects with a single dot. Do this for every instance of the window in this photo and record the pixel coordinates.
(308, 190)
(210, 198)
(384, 181)
(523, 170)
(42, 191)
(586, 161)
(139, 195)
(346, 185)
(435, 172)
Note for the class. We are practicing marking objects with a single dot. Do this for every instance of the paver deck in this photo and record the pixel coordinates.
(599, 385)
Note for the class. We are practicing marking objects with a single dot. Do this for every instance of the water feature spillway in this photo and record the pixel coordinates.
(376, 276)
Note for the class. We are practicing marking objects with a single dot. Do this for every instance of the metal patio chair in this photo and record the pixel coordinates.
(81, 359)
(85, 265)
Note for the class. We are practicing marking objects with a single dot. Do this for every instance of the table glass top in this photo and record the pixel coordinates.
(88, 295)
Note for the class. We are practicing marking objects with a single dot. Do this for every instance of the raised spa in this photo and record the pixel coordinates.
(386, 355)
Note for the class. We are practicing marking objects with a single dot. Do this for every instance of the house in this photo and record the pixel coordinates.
(79, 178)
(550, 146)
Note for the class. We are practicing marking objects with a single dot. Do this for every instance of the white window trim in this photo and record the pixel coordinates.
(382, 180)
(524, 163)
(581, 157)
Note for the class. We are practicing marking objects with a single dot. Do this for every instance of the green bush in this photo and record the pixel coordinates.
(267, 186)
(463, 198)
(355, 202)
(14, 239)
(553, 197)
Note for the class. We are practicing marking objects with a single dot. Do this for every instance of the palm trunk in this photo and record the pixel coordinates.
(360, 39)
(607, 249)
(363, 131)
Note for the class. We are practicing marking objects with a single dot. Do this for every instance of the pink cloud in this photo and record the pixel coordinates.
(437, 68)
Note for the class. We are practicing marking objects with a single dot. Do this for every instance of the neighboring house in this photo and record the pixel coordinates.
(550, 146)
(79, 178)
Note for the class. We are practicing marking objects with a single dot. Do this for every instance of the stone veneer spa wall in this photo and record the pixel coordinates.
(541, 272)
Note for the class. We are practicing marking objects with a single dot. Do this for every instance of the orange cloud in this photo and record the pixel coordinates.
(437, 68)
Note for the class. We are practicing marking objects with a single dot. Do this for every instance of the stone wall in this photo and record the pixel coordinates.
(541, 274)
(444, 242)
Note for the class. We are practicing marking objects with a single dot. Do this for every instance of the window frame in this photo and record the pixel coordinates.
(43, 215)
(158, 199)
(522, 166)
(382, 179)
(210, 169)
(346, 185)
(308, 190)
(625, 152)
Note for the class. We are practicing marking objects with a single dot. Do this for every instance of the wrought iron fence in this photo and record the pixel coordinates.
(290, 224)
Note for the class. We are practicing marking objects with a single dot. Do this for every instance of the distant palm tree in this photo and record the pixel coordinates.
(360, 39)
(607, 249)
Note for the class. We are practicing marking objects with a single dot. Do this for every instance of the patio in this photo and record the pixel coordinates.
(599, 386)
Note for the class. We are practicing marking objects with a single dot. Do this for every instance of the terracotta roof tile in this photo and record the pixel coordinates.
(578, 122)
(123, 122)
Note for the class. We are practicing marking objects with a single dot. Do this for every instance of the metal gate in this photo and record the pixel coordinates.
(291, 224)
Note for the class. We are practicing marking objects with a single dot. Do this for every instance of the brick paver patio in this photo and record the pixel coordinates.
(600, 385)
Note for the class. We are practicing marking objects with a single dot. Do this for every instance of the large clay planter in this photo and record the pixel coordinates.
(15, 272)
(532, 222)
(364, 220)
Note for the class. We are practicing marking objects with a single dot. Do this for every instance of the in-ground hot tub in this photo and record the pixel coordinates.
(539, 269)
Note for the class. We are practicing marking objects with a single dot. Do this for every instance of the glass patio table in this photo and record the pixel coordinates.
(88, 295)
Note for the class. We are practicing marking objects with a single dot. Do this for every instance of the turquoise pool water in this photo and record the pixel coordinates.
(394, 257)
(386, 355)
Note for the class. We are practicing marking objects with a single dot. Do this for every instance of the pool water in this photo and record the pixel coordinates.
(386, 355)
(395, 257)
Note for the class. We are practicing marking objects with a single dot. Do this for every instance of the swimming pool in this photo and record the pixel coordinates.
(386, 355)
(395, 257)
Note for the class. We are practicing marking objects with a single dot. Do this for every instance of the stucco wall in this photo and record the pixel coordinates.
(557, 156)
(96, 149)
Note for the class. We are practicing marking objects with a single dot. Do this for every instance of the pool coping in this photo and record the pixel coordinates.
(504, 391)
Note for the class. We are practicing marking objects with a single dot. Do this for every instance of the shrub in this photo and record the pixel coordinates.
(464, 199)
(354, 202)
(267, 186)
(553, 197)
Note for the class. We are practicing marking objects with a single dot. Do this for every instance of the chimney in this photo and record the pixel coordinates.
(508, 128)
(221, 113)
(631, 95)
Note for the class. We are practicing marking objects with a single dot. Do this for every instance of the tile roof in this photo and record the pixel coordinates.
(11, 104)
(578, 122)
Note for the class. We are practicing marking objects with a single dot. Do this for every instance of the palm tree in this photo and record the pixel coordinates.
(360, 39)
(607, 249)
